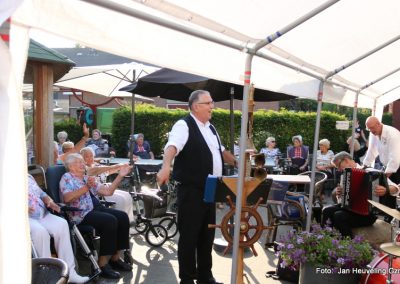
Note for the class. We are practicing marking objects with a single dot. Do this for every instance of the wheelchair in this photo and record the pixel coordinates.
(50, 184)
(49, 271)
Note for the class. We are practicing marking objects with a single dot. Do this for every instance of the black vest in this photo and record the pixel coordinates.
(194, 163)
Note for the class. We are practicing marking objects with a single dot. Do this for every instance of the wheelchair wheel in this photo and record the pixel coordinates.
(170, 224)
(156, 235)
(141, 227)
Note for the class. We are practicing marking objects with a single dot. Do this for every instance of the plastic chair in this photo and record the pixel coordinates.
(320, 179)
(49, 271)
(284, 208)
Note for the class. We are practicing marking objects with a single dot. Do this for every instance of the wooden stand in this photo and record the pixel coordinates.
(250, 232)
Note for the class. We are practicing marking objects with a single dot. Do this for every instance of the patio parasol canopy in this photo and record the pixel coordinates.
(105, 80)
(175, 85)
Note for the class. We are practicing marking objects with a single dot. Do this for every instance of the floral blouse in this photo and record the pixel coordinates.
(35, 195)
(70, 183)
(270, 153)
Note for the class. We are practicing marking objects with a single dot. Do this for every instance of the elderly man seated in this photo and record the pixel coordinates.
(79, 190)
(43, 224)
(341, 218)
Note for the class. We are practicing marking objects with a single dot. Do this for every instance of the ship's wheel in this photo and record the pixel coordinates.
(251, 226)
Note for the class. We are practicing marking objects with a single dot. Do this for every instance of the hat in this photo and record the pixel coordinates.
(298, 137)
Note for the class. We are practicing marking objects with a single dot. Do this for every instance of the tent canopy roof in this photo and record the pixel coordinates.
(336, 36)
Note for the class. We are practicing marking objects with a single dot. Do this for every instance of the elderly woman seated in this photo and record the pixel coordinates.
(298, 154)
(79, 190)
(141, 148)
(69, 147)
(271, 151)
(324, 157)
(122, 199)
(43, 224)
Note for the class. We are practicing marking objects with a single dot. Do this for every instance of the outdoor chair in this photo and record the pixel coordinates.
(39, 174)
(284, 208)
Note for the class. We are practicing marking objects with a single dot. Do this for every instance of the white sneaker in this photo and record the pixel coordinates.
(76, 278)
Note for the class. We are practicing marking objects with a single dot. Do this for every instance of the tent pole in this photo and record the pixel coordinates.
(314, 160)
(232, 120)
(353, 128)
(242, 168)
(244, 124)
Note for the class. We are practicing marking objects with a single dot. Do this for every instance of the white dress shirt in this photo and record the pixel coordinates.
(387, 147)
(179, 135)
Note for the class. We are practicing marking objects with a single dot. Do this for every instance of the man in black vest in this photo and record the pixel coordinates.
(197, 149)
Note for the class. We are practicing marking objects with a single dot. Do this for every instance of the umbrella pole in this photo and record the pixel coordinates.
(131, 138)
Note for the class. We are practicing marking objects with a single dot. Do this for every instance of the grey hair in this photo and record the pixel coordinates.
(96, 130)
(66, 145)
(70, 159)
(87, 149)
(139, 135)
(62, 134)
(194, 96)
(340, 157)
(325, 142)
(269, 140)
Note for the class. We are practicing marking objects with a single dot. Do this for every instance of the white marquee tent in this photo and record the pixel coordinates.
(344, 52)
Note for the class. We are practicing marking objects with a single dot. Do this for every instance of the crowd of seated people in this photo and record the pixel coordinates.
(79, 190)
(44, 224)
(69, 147)
(122, 199)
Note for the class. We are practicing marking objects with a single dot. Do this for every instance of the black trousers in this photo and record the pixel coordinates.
(344, 220)
(195, 238)
(113, 227)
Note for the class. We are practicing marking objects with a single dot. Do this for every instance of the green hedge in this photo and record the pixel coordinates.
(71, 126)
(155, 123)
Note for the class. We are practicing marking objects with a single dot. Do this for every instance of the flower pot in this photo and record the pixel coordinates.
(311, 274)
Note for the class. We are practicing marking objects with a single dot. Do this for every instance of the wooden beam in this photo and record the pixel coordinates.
(43, 115)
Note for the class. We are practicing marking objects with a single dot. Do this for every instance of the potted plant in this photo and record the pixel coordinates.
(324, 255)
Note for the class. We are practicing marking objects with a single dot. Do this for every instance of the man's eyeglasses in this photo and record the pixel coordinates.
(206, 103)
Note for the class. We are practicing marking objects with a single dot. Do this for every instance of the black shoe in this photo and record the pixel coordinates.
(208, 281)
(107, 272)
(120, 265)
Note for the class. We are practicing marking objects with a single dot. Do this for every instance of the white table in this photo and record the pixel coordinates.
(140, 162)
(294, 179)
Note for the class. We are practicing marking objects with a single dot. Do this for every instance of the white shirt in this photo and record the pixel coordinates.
(179, 135)
(387, 147)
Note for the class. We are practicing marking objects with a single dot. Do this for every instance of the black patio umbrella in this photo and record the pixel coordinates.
(175, 85)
